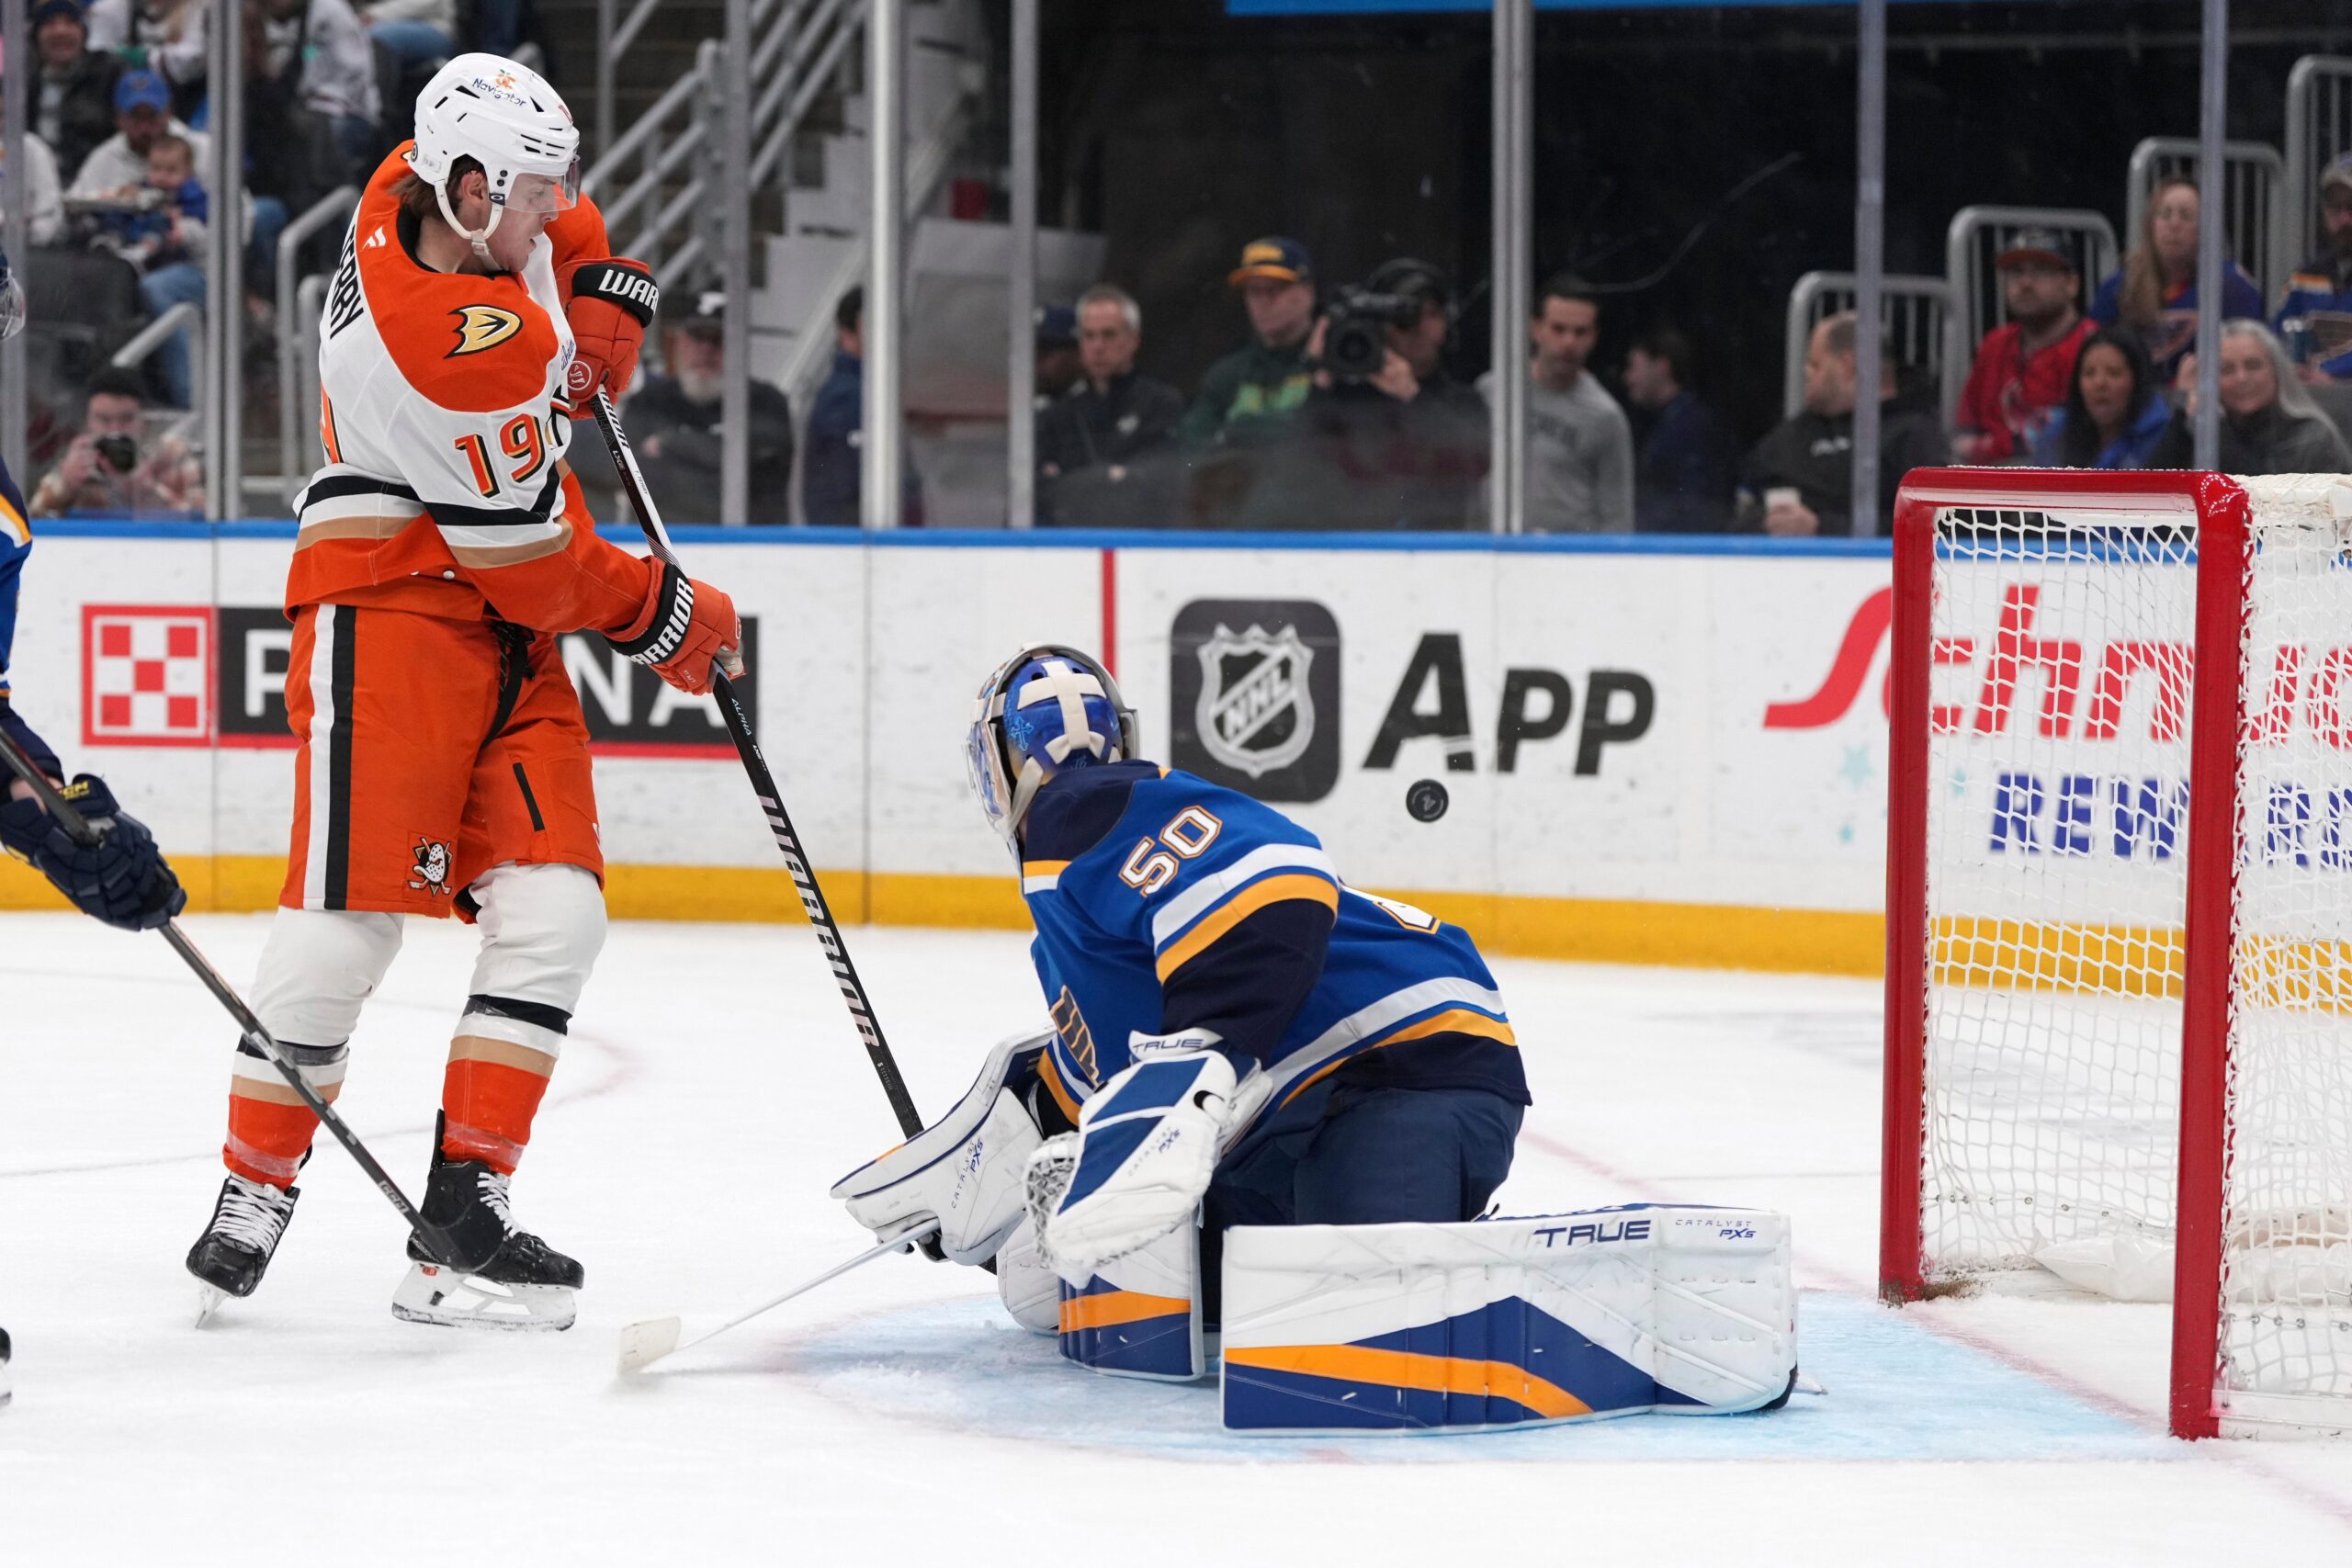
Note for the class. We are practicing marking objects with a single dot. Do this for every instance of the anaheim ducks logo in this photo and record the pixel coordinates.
(483, 326)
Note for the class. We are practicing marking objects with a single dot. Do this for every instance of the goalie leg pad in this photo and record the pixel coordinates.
(1139, 1316)
(1506, 1323)
(967, 1168)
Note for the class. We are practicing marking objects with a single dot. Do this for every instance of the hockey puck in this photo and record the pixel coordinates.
(1426, 800)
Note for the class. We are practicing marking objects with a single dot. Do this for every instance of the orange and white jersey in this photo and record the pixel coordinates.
(445, 491)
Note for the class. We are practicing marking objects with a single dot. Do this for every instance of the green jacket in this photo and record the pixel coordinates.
(1246, 396)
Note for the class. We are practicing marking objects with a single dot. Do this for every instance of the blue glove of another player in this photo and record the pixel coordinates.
(122, 879)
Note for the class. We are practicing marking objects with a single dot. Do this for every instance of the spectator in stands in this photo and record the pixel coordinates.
(2115, 411)
(2319, 294)
(168, 239)
(2155, 294)
(166, 37)
(1579, 448)
(832, 487)
(2269, 424)
(73, 103)
(2024, 366)
(44, 202)
(321, 46)
(1058, 365)
(143, 111)
(1800, 478)
(673, 421)
(1405, 447)
(1250, 394)
(1091, 440)
(412, 29)
(1683, 456)
(104, 473)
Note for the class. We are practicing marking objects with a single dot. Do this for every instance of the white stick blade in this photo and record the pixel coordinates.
(645, 1342)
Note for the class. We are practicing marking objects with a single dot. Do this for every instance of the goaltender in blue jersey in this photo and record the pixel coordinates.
(1233, 1028)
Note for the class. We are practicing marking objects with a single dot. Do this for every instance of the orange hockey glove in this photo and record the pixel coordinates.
(609, 302)
(685, 628)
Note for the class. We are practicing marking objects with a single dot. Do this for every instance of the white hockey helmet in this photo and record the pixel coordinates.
(505, 118)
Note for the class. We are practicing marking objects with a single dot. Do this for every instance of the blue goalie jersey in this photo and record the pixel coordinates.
(1166, 903)
(15, 543)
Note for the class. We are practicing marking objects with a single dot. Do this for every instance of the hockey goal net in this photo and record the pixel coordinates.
(2119, 1021)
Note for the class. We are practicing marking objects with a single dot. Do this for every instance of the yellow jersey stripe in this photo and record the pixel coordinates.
(1454, 1021)
(1303, 885)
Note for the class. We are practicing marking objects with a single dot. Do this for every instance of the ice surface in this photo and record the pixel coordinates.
(713, 1089)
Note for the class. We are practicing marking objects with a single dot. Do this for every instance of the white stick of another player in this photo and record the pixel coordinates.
(649, 1339)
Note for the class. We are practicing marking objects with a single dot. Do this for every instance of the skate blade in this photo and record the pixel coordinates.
(438, 1295)
(207, 1301)
(642, 1344)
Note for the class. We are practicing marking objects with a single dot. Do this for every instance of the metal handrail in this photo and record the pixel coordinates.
(309, 310)
(807, 85)
(186, 314)
(320, 213)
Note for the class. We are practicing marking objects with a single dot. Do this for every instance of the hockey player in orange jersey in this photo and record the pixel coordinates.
(444, 763)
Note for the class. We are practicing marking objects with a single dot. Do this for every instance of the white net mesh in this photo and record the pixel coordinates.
(2287, 1212)
(2057, 836)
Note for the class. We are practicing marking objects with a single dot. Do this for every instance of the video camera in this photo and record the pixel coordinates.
(1355, 331)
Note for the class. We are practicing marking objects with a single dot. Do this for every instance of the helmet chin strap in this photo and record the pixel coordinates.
(478, 238)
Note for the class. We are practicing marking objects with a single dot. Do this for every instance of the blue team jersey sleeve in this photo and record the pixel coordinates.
(16, 544)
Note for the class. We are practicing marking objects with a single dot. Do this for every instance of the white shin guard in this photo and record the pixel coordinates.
(1506, 1323)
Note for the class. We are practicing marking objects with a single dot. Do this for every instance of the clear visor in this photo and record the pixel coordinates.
(545, 193)
(984, 764)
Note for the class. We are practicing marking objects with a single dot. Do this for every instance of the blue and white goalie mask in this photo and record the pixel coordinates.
(1045, 708)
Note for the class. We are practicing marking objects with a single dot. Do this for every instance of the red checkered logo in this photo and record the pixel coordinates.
(146, 675)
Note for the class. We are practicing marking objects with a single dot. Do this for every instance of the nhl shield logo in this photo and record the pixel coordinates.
(1256, 712)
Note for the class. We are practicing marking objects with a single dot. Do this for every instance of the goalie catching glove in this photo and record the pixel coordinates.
(609, 302)
(966, 1169)
(122, 879)
(1146, 1147)
(685, 628)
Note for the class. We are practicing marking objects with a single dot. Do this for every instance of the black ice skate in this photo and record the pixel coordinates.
(505, 1279)
(230, 1258)
(4, 1386)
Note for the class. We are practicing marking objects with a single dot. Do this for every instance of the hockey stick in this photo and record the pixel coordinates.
(78, 829)
(647, 1341)
(747, 746)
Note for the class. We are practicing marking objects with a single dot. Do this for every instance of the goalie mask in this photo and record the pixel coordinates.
(505, 118)
(1045, 708)
(12, 301)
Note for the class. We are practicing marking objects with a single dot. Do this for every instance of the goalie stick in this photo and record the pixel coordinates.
(78, 829)
(649, 1339)
(746, 747)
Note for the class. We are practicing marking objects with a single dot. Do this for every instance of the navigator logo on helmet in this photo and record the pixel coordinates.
(1046, 708)
(505, 118)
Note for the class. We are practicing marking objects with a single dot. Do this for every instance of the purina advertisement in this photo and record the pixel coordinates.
(1588, 752)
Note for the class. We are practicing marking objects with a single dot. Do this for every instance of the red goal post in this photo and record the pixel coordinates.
(2118, 980)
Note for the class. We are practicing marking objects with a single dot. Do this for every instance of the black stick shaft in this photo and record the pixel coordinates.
(78, 829)
(746, 747)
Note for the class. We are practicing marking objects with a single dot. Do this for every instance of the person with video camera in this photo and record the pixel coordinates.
(106, 473)
(1388, 439)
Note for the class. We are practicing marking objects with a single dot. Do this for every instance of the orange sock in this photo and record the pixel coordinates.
(269, 1127)
(488, 1096)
